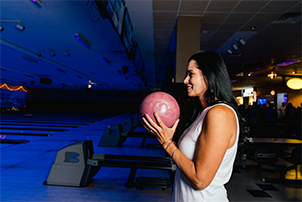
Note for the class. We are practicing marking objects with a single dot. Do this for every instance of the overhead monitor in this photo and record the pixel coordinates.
(261, 101)
(247, 92)
(285, 99)
(115, 9)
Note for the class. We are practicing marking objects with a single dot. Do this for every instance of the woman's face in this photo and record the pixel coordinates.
(194, 80)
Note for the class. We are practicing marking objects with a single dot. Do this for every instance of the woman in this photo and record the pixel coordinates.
(207, 148)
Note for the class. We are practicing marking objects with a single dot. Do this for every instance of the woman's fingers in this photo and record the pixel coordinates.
(147, 124)
(151, 122)
(159, 121)
(161, 131)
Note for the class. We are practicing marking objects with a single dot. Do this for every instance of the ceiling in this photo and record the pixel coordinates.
(26, 55)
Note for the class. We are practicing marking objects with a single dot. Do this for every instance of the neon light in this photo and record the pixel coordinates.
(5, 86)
(286, 63)
(83, 40)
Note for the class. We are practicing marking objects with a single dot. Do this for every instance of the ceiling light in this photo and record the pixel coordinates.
(90, 83)
(106, 60)
(29, 59)
(53, 53)
(253, 27)
(229, 51)
(241, 41)
(22, 28)
(60, 70)
(83, 40)
(240, 74)
(66, 53)
(38, 2)
(272, 75)
(272, 92)
(294, 83)
(235, 47)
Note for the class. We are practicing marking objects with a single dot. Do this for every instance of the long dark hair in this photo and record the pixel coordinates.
(219, 86)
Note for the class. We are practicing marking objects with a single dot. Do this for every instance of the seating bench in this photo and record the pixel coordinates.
(134, 163)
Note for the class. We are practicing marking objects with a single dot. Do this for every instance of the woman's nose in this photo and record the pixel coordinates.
(186, 80)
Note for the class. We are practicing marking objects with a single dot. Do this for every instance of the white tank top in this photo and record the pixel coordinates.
(183, 189)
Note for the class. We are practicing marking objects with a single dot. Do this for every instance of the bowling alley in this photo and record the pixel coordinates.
(150, 100)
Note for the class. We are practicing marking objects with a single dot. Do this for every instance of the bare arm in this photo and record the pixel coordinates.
(218, 134)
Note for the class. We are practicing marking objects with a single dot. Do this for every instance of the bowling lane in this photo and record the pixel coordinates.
(17, 129)
(47, 126)
(23, 132)
(38, 138)
(7, 141)
(37, 124)
(13, 141)
(27, 133)
(53, 117)
(42, 122)
(31, 128)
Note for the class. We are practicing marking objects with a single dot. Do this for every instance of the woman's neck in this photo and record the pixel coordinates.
(204, 104)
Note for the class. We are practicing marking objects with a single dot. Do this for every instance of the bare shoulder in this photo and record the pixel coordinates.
(221, 124)
(220, 112)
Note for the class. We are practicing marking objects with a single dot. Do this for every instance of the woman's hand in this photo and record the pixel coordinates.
(160, 130)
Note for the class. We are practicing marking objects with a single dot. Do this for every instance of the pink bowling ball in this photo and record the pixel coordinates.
(163, 104)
